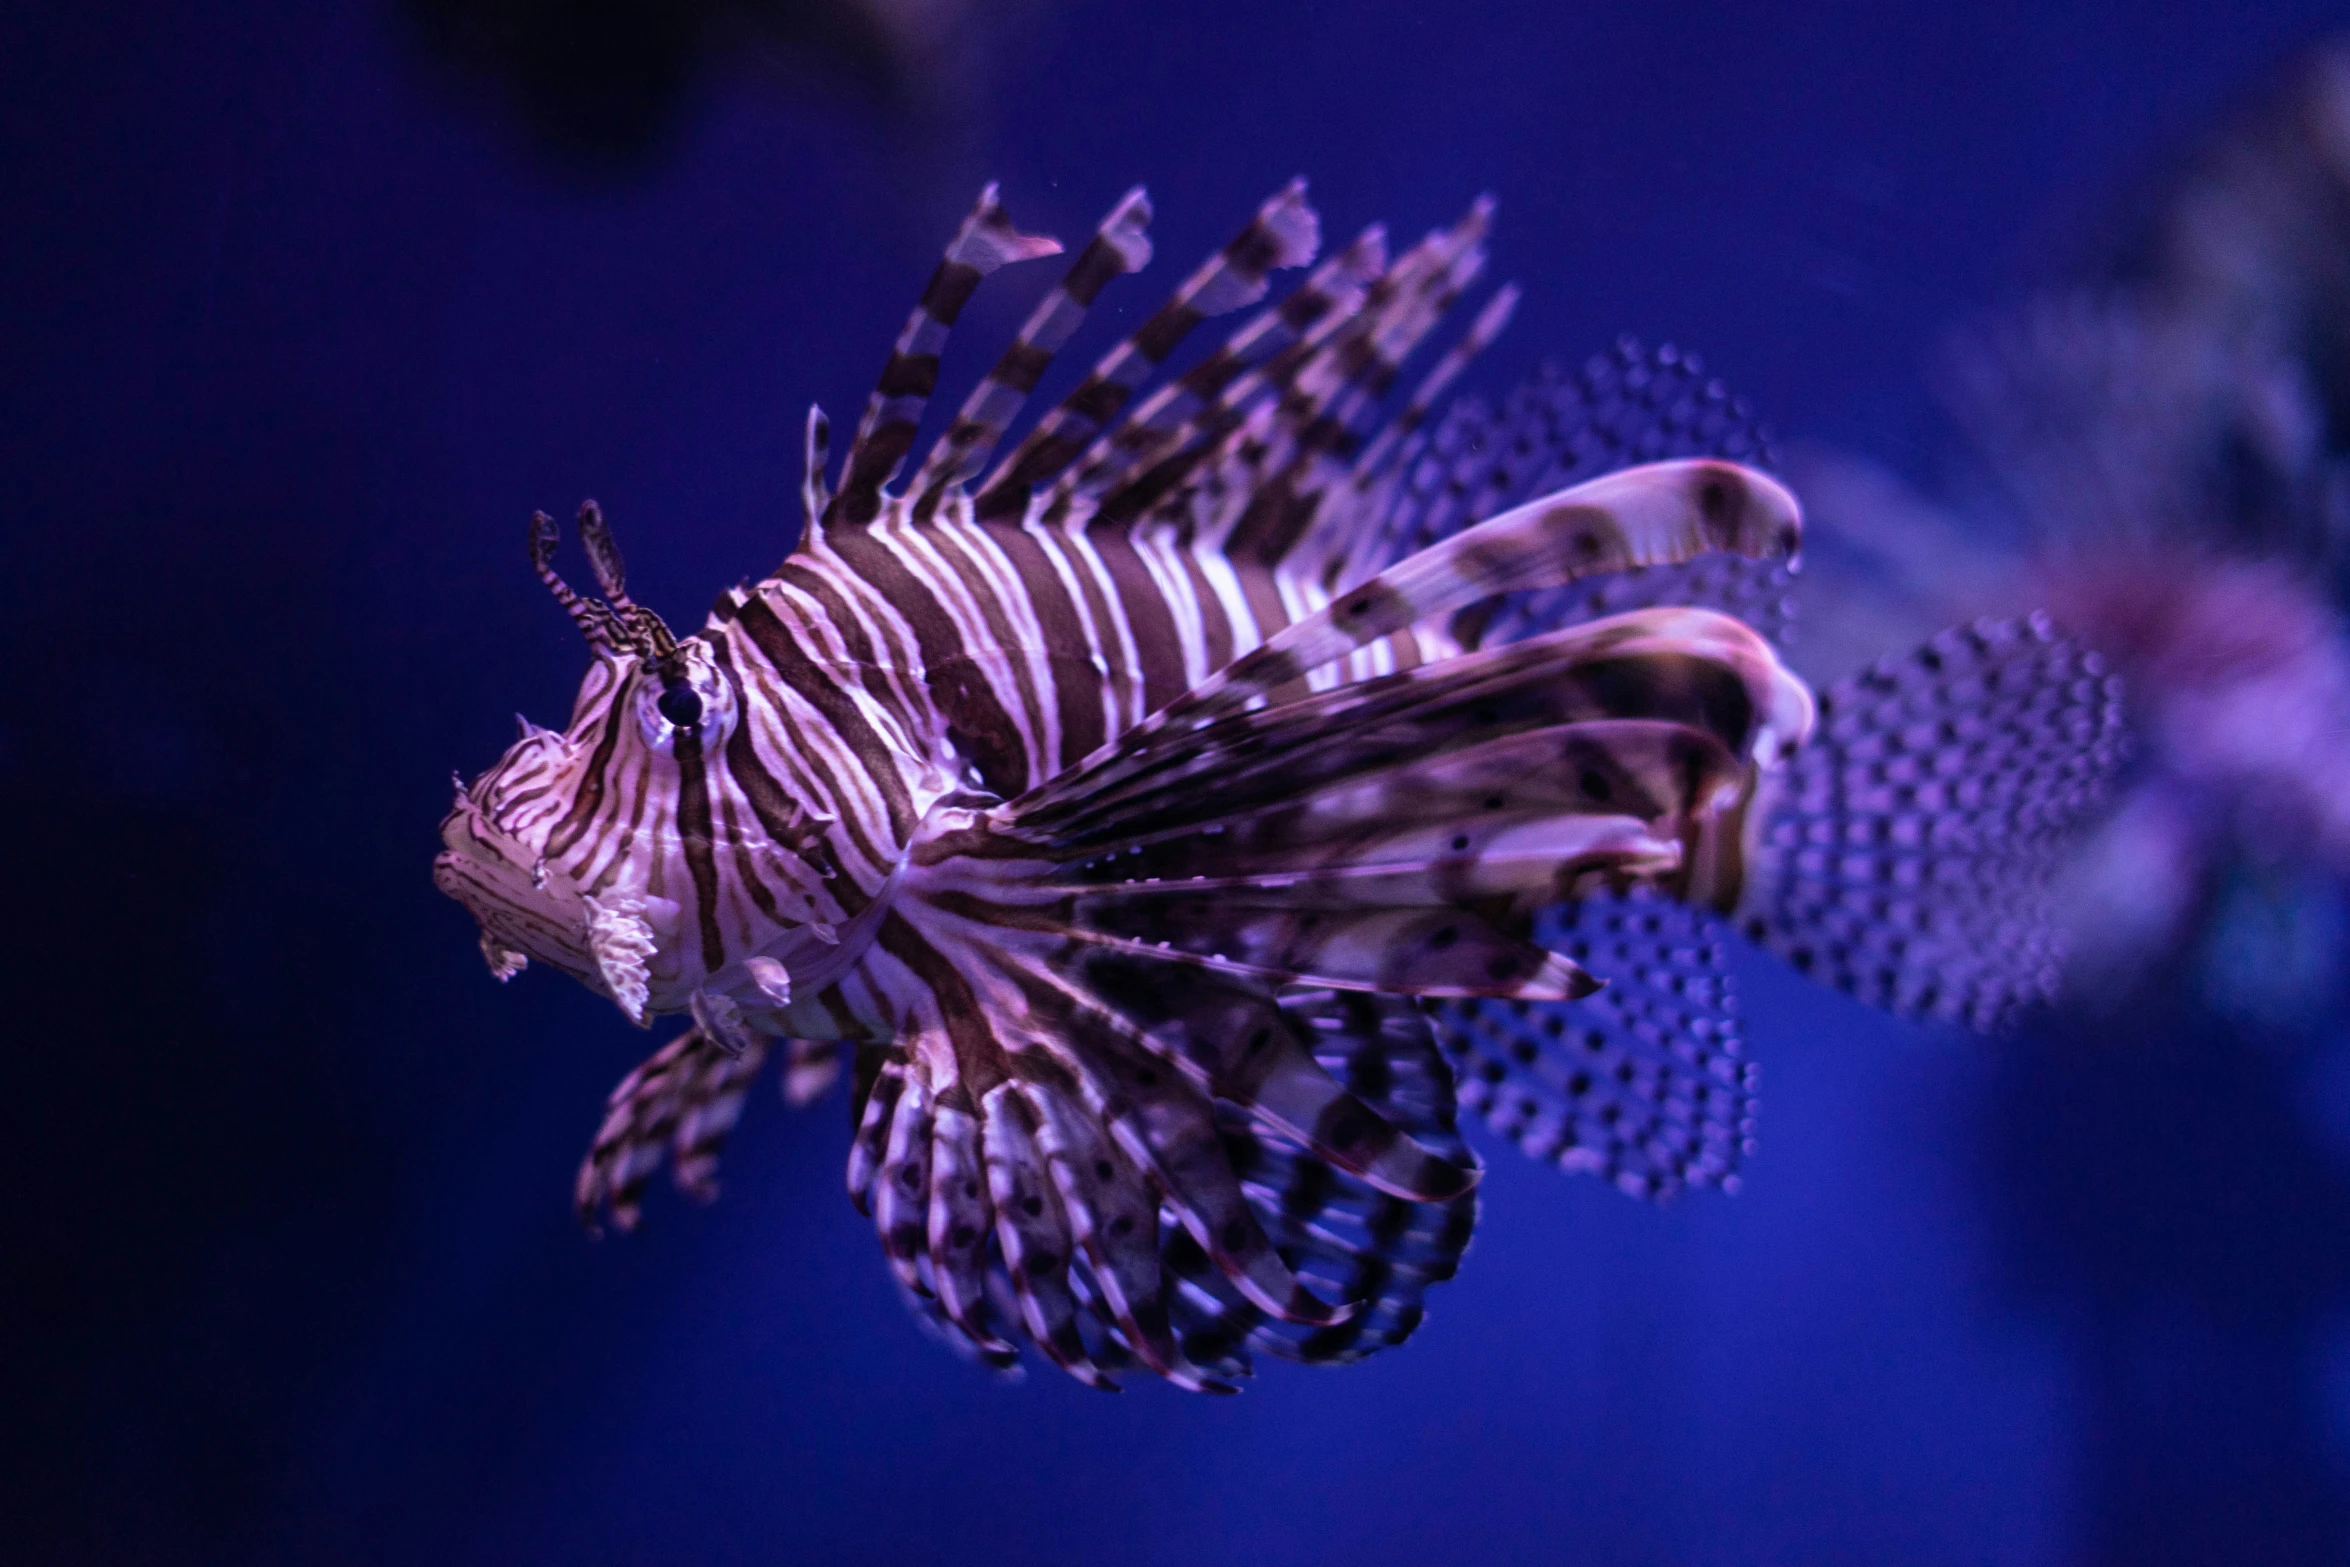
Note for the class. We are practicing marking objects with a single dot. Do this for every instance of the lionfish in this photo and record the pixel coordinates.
(1178, 817)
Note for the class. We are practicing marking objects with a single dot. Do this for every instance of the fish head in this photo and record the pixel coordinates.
(505, 839)
(578, 846)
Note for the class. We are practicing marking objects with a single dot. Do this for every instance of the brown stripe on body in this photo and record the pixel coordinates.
(605, 850)
(976, 721)
(777, 812)
(872, 755)
(1277, 516)
(590, 795)
(979, 1055)
(1076, 683)
(746, 865)
(693, 836)
(960, 550)
(1214, 625)
(1158, 645)
(513, 803)
(1265, 605)
(612, 836)
(874, 665)
(1099, 615)
(640, 802)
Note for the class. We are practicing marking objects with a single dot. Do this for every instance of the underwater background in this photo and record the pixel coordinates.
(309, 306)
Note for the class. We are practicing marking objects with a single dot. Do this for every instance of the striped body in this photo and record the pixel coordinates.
(866, 680)
(1126, 803)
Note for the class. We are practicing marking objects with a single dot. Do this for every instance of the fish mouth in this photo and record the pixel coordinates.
(517, 900)
(535, 910)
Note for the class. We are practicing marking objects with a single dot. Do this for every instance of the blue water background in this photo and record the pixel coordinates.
(298, 333)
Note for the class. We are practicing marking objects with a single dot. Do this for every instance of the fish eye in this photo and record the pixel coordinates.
(682, 699)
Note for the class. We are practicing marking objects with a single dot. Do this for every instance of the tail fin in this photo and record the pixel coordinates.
(1904, 856)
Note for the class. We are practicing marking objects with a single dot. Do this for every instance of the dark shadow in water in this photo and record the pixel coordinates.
(609, 84)
(2164, 1187)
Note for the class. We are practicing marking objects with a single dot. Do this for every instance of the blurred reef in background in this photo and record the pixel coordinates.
(2155, 447)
